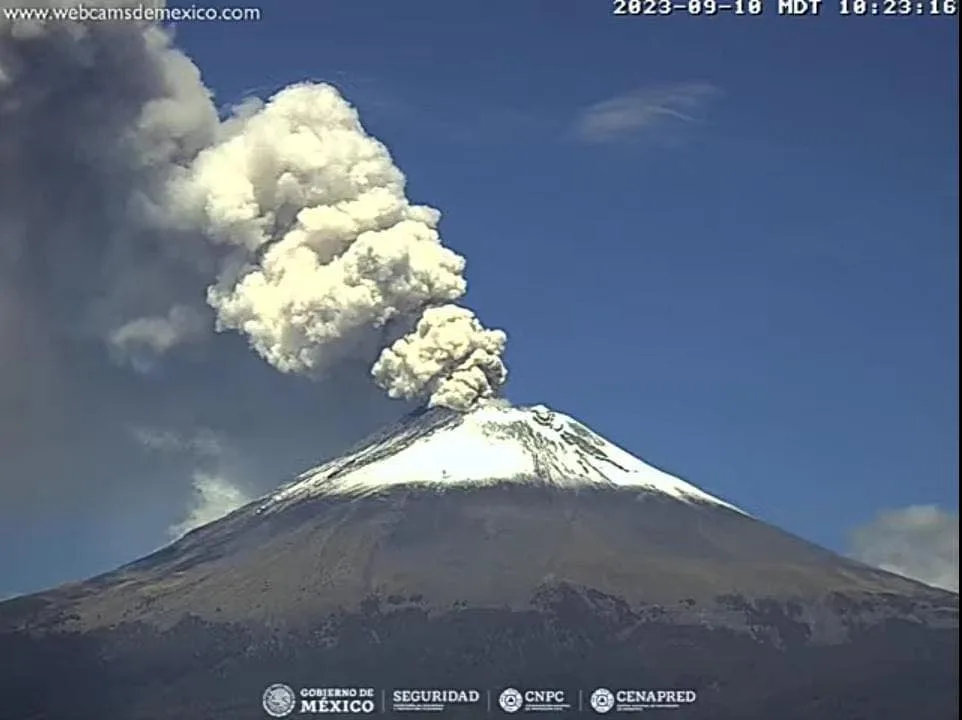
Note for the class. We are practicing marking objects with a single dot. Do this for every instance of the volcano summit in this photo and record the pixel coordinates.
(504, 547)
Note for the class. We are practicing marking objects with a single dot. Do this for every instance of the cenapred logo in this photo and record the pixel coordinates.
(602, 700)
(279, 700)
(510, 700)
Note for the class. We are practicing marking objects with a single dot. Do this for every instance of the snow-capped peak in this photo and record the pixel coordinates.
(493, 443)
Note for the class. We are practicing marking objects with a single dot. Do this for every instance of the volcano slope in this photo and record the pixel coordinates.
(504, 547)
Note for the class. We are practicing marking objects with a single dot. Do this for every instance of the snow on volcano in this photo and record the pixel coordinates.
(494, 443)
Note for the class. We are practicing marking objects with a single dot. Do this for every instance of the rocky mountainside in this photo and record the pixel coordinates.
(503, 547)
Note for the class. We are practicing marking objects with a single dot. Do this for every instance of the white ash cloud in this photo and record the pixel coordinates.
(135, 203)
(324, 249)
(450, 354)
(919, 542)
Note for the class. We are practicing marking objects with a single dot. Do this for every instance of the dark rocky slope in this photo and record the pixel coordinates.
(512, 584)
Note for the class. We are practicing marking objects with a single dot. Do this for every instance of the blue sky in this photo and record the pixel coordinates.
(749, 279)
(763, 300)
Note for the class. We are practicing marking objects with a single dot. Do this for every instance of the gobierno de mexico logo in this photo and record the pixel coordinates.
(279, 700)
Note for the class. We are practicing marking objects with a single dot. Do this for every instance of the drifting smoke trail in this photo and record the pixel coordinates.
(292, 216)
(94, 121)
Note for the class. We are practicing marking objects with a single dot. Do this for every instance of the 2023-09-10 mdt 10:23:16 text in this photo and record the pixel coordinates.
(801, 8)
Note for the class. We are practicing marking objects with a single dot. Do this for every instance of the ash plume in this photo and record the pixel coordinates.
(450, 353)
(95, 120)
(285, 221)
(324, 249)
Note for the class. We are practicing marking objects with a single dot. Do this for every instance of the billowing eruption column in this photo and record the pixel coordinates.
(292, 217)
(325, 246)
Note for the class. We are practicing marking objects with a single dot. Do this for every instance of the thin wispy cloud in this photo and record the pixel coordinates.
(214, 492)
(648, 111)
(213, 498)
(464, 120)
(919, 542)
(203, 442)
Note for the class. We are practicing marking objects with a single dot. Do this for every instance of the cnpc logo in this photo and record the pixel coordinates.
(512, 700)
(280, 700)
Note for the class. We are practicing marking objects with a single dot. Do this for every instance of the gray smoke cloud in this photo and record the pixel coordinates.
(143, 340)
(287, 218)
(96, 119)
(215, 489)
(919, 541)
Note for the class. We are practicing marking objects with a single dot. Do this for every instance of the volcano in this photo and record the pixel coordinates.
(475, 552)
